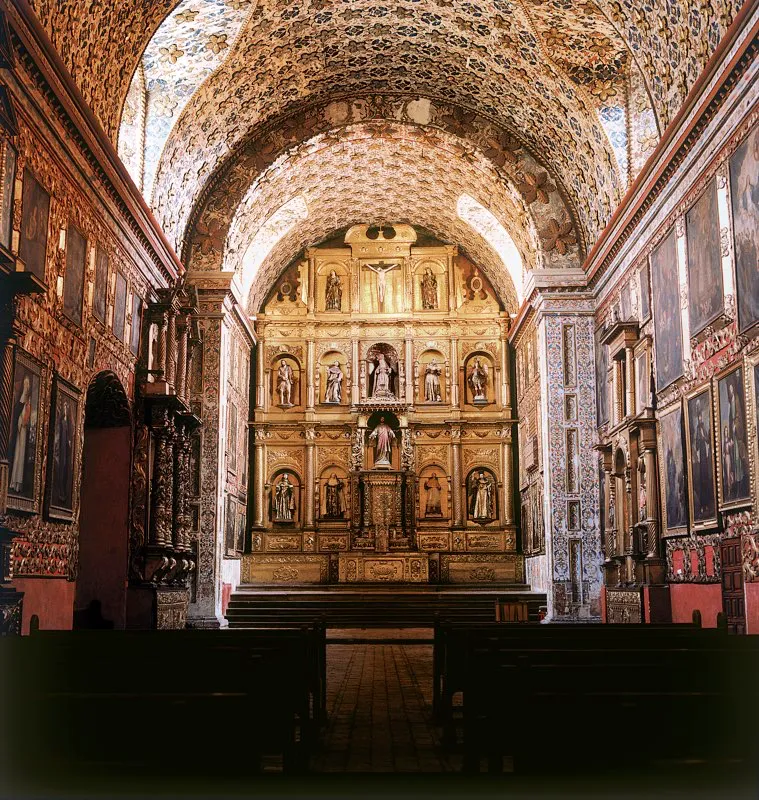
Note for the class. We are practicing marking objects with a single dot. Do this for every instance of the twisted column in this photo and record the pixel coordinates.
(458, 505)
(161, 529)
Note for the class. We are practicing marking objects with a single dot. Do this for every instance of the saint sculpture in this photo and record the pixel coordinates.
(335, 497)
(482, 498)
(432, 382)
(383, 378)
(432, 507)
(334, 392)
(383, 436)
(284, 500)
(334, 293)
(429, 289)
(285, 382)
(478, 381)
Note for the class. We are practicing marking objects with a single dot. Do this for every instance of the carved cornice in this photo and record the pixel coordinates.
(42, 65)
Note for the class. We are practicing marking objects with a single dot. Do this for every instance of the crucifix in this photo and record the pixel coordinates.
(382, 269)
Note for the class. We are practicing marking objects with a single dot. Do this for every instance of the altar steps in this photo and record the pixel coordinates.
(373, 607)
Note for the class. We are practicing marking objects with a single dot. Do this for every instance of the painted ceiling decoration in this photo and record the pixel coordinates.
(460, 133)
(402, 178)
(564, 98)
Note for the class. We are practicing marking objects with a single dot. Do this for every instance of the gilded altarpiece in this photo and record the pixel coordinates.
(382, 427)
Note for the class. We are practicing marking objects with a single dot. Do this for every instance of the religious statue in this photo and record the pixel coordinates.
(334, 293)
(482, 498)
(335, 496)
(478, 381)
(334, 392)
(432, 507)
(284, 500)
(383, 378)
(429, 289)
(381, 270)
(384, 435)
(432, 382)
(642, 495)
(285, 383)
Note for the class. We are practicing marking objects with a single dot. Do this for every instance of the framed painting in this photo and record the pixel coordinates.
(672, 468)
(240, 538)
(100, 298)
(119, 307)
(230, 528)
(232, 438)
(644, 282)
(35, 216)
(25, 439)
(136, 329)
(754, 374)
(702, 490)
(668, 338)
(6, 195)
(73, 279)
(63, 451)
(735, 487)
(705, 299)
(744, 189)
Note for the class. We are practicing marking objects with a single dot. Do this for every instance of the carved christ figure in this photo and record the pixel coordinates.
(334, 392)
(384, 435)
(381, 270)
(284, 500)
(334, 292)
(383, 378)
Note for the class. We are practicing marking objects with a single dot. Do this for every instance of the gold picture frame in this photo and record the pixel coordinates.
(733, 467)
(63, 455)
(670, 442)
(752, 384)
(700, 470)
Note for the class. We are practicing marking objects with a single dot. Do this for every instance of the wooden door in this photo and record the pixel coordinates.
(732, 584)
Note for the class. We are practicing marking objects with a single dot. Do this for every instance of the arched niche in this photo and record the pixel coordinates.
(284, 368)
(333, 288)
(482, 496)
(375, 420)
(333, 379)
(380, 383)
(434, 494)
(285, 498)
(479, 379)
(431, 285)
(431, 378)
(334, 494)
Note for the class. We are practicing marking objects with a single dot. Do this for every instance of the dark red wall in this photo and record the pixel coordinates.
(51, 599)
(686, 597)
(104, 522)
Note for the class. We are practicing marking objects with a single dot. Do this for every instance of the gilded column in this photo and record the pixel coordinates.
(160, 366)
(410, 369)
(454, 372)
(260, 376)
(452, 278)
(311, 346)
(311, 254)
(505, 368)
(181, 375)
(458, 505)
(508, 478)
(355, 381)
(630, 384)
(652, 504)
(259, 479)
(308, 516)
(171, 349)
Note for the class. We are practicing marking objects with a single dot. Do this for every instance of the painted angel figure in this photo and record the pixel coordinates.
(381, 270)
(383, 378)
(478, 381)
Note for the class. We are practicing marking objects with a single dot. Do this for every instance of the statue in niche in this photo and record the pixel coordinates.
(284, 500)
(429, 289)
(335, 495)
(432, 382)
(432, 506)
(381, 270)
(482, 498)
(612, 513)
(333, 299)
(383, 378)
(383, 436)
(334, 392)
(478, 381)
(285, 383)
(642, 494)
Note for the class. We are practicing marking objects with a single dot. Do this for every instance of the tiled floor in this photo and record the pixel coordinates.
(379, 698)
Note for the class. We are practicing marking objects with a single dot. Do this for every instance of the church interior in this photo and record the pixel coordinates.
(379, 393)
